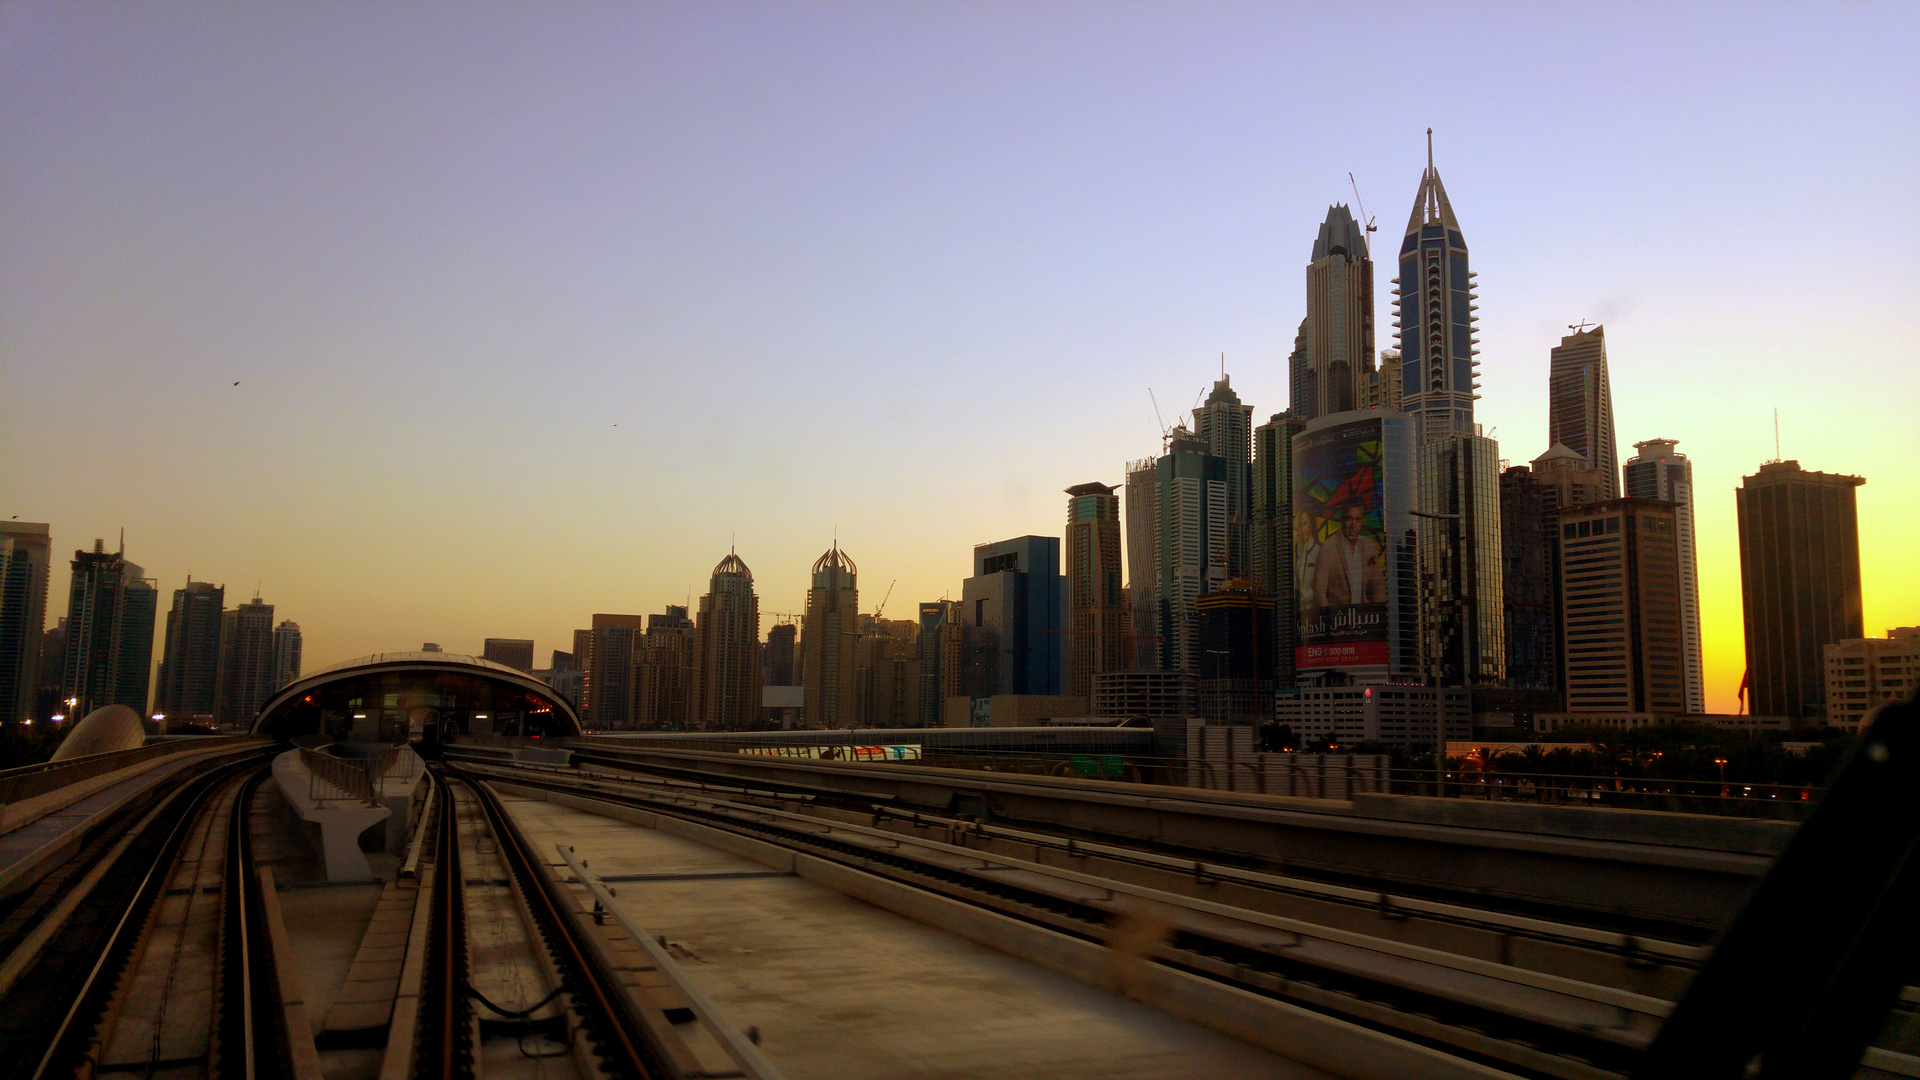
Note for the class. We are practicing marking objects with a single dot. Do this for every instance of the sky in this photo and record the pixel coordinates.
(444, 322)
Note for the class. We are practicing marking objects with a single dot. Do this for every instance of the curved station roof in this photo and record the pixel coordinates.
(384, 696)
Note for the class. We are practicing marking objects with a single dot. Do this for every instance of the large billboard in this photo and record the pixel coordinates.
(1340, 549)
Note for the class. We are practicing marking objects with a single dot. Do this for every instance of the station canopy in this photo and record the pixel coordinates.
(393, 697)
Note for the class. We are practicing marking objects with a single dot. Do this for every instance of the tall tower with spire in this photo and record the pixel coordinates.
(1227, 427)
(727, 649)
(827, 641)
(1434, 314)
(1338, 332)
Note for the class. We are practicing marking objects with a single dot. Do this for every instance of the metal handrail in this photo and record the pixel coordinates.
(348, 776)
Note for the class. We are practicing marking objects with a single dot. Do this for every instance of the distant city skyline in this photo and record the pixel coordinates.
(653, 279)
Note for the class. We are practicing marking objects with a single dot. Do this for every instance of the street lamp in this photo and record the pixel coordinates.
(1722, 762)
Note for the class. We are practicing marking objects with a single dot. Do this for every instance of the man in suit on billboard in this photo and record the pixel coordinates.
(1352, 569)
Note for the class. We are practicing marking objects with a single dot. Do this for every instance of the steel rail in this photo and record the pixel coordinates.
(249, 1027)
(444, 1046)
(1472, 1030)
(603, 1004)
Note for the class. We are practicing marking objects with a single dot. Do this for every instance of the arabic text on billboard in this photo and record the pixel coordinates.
(1340, 547)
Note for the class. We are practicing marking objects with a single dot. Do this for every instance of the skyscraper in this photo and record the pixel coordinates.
(1273, 533)
(1014, 605)
(1097, 623)
(1433, 312)
(1657, 472)
(109, 645)
(1580, 404)
(782, 655)
(729, 649)
(1463, 605)
(826, 641)
(1226, 426)
(246, 661)
(942, 643)
(1620, 608)
(189, 683)
(1385, 388)
(1189, 545)
(286, 653)
(1236, 654)
(26, 553)
(664, 690)
(1299, 386)
(1529, 536)
(887, 672)
(607, 689)
(1799, 582)
(1143, 551)
(1339, 326)
(513, 652)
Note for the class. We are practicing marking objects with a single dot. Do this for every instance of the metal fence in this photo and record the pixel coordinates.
(1339, 776)
(1791, 802)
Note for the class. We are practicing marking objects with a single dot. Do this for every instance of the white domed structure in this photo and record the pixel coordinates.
(106, 729)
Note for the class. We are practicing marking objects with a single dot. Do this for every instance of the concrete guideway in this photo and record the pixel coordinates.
(835, 987)
(1670, 875)
(1607, 958)
(1233, 960)
(37, 833)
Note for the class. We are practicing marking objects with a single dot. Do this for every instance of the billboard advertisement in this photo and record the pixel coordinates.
(1340, 549)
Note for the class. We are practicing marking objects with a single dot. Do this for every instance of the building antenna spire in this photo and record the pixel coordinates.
(1429, 149)
(123, 528)
(1776, 433)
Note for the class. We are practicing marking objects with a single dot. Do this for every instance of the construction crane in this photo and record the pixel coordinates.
(884, 599)
(1351, 182)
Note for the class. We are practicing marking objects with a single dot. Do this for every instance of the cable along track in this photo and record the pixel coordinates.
(603, 1026)
(1508, 1018)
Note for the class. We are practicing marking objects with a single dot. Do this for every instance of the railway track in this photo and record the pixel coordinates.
(606, 1033)
(66, 987)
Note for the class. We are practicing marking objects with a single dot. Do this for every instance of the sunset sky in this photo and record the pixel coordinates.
(534, 310)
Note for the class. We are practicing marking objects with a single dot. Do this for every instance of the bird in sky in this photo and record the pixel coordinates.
(236, 382)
